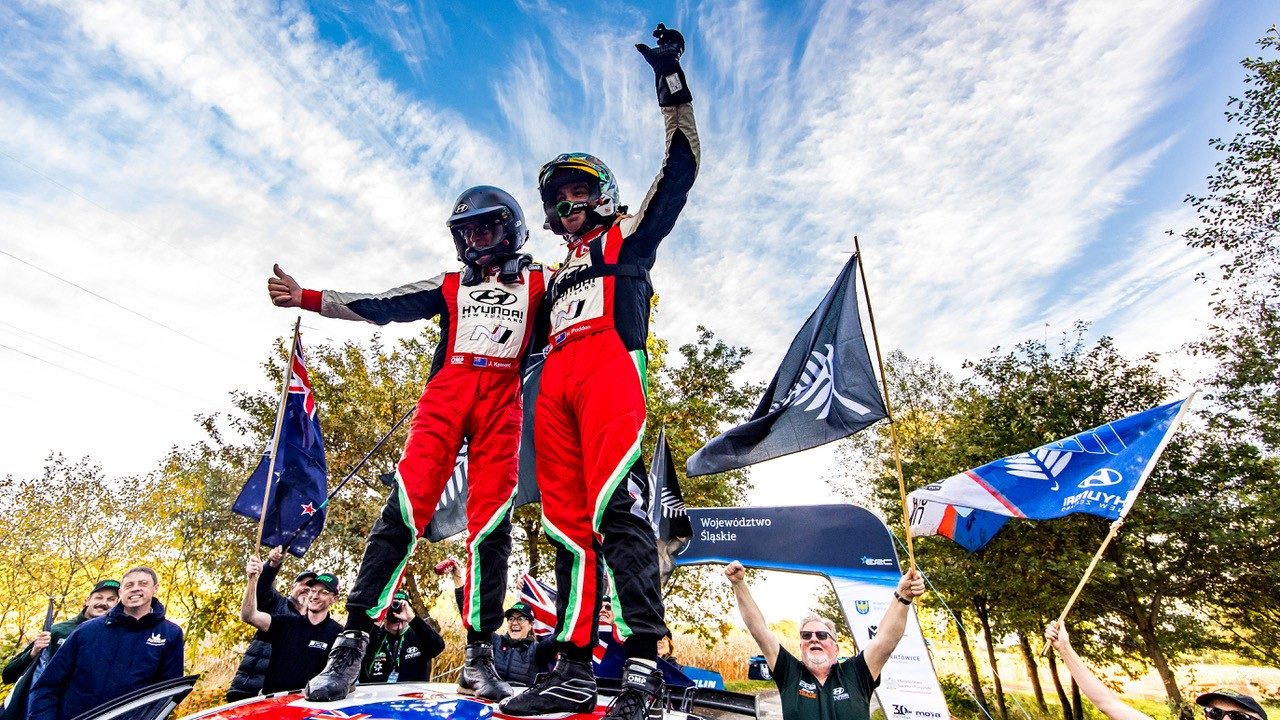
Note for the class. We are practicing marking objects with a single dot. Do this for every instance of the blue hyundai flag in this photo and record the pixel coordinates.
(1098, 471)
(824, 390)
(300, 485)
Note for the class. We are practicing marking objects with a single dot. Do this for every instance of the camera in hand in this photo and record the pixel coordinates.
(396, 606)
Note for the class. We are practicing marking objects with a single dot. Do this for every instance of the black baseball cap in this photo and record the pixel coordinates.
(106, 585)
(304, 576)
(519, 608)
(1224, 694)
(327, 580)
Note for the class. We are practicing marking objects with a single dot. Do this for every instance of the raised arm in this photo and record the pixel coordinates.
(1102, 697)
(894, 622)
(751, 615)
(249, 611)
(656, 215)
(267, 595)
(407, 303)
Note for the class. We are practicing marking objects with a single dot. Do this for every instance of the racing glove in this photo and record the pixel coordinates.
(665, 61)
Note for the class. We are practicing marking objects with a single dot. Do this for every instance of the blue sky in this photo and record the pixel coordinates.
(1009, 167)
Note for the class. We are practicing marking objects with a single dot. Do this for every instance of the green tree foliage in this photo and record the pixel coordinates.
(1238, 223)
(62, 532)
(72, 525)
(693, 401)
(1148, 600)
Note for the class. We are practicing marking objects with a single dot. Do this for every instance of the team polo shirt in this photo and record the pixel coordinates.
(299, 650)
(845, 696)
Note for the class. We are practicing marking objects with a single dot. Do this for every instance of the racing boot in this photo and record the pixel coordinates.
(569, 687)
(479, 676)
(339, 674)
(641, 694)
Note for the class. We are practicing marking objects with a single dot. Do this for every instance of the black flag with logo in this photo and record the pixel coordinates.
(450, 517)
(667, 509)
(824, 390)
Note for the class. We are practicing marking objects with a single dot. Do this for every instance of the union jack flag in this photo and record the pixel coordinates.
(542, 598)
(299, 381)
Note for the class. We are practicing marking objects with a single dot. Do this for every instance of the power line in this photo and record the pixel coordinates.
(88, 377)
(129, 310)
(108, 363)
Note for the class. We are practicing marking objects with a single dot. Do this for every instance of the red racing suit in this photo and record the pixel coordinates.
(590, 413)
(473, 392)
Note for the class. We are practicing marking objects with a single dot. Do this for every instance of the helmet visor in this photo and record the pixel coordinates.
(479, 234)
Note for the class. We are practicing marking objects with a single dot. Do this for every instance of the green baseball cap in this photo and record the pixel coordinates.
(328, 581)
(106, 585)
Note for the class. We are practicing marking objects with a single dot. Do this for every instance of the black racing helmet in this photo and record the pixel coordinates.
(487, 226)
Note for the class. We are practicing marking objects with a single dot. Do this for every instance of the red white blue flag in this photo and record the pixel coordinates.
(296, 503)
(1099, 471)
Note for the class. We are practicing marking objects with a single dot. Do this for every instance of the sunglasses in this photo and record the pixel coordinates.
(1213, 713)
(824, 635)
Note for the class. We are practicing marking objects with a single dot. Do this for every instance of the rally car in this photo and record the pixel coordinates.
(400, 701)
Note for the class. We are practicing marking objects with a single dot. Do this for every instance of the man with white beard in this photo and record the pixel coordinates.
(808, 687)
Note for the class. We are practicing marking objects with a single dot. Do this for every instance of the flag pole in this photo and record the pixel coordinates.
(350, 474)
(1124, 513)
(275, 435)
(893, 432)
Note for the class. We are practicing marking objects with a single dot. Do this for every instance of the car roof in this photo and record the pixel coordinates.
(400, 701)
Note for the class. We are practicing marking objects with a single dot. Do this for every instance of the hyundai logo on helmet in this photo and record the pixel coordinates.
(493, 296)
(462, 207)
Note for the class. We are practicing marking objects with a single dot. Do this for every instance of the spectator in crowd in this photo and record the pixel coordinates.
(127, 649)
(517, 654)
(1218, 705)
(807, 686)
(252, 671)
(667, 650)
(299, 643)
(402, 647)
(25, 667)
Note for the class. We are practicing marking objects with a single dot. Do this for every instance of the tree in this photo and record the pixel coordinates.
(692, 402)
(64, 531)
(1238, 222)
(1147, 600)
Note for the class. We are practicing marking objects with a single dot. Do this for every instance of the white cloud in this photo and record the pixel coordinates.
(978, 151)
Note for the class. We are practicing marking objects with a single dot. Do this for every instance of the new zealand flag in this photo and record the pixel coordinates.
(300, 486)
(824, 390)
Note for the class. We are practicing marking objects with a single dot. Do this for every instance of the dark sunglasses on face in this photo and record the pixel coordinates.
(824, 635)
(1213, 713)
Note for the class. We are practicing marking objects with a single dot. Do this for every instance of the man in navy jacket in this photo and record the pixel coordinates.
(127, 649)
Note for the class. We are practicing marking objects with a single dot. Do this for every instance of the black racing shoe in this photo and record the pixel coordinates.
(339, 674)
(641, 691)
(479, 676)
(569, 687)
